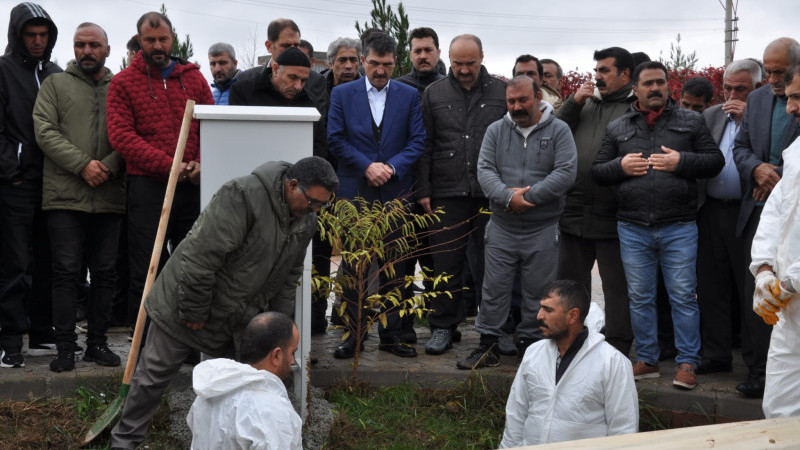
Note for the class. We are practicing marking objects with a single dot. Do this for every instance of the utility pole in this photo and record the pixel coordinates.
(731, 28)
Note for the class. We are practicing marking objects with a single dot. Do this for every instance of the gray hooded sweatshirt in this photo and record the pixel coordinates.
(546, 161)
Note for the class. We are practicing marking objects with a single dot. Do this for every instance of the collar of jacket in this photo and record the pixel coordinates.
(230, 82)
(143, 66)
(74, 70)
(623, 94)
(485, 79)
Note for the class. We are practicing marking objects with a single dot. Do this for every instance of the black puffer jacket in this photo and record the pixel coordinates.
(455, 122)
(20, 77)
(658, 197)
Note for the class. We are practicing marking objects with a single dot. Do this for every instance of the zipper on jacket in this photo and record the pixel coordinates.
(36, 74)
(165, 83)
(96, 109)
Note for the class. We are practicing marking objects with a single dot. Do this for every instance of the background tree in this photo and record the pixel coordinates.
(395, 25)
(182, 50)
(677, 58)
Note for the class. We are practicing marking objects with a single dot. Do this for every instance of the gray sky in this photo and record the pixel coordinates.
(567, 31)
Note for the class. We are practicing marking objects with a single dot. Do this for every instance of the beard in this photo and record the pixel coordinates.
(148, 57)
(91, 66)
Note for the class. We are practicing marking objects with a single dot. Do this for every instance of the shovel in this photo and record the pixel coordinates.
(114, 410)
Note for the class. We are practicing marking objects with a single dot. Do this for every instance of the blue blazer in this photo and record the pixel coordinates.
(752, 144)
(352, 141)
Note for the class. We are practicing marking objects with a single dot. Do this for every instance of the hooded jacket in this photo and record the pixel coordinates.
(590, 210)
(596, 396)
(145, 112)
(546, 161)
(239, 407)
(21, 75)
(242, 257)
(658, 197)
(70, 122)
(455, 121)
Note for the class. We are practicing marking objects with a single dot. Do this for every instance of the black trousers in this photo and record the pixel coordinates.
(448, 249)
(24, 266)
(576, 259)
(77, 236)
(145, 200)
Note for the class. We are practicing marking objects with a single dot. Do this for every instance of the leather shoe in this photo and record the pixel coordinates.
(347, 349)
(753, 387)
(710, 366)
(392, 343)
(407, 336)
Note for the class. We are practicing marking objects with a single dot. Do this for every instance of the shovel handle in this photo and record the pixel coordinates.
(133, 356)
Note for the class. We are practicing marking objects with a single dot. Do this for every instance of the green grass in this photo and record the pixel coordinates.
(466, 416)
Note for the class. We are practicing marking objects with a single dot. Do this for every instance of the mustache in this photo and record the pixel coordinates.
(600, 83)
(519, 113)
(654, 94)
(89, 58)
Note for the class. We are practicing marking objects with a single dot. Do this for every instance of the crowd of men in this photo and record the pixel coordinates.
(653, 191)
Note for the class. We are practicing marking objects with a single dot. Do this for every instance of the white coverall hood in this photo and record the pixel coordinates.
(239, 407)
(777, 243)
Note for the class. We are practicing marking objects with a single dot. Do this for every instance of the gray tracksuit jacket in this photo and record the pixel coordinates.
(546, 161)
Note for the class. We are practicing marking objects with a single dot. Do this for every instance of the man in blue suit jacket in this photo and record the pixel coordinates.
(375, 131)
(766, 130)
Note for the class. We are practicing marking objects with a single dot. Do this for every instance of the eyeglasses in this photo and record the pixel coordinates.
(317, 204)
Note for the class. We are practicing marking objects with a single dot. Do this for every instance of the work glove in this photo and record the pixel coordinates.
(780, 296)
(764, 302)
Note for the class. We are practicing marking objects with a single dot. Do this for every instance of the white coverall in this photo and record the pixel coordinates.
(239, 407)
(777, 243)
(595, 397)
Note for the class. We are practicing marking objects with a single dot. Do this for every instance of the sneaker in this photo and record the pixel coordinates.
(685, 377)
(439, 342)
(101, 354)
(12, 360)
(64, 362)
(77, 349)
(483, 356)
(642, 370)
(42, 349)
(505, 345)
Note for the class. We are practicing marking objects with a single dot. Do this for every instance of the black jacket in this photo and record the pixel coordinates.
(455, 122)
(658, 197)
(20, 77)
(257, 90)
(420, 81)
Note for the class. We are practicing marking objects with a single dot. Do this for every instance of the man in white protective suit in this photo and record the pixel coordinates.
(244, 405)
(572, 385)
(776, 266)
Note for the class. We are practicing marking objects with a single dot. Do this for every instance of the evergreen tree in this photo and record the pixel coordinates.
(677, 58)
(182, 50)
(395, 25)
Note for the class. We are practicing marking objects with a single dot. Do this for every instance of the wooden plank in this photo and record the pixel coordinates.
(781, 433)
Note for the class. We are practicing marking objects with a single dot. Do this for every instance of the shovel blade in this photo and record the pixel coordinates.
(109, 416)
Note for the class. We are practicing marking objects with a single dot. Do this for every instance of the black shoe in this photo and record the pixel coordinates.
(455, 336)
(101, 355)
(347, 349)
(64, 362)
(523, 345)
(505, 345)
(12, 359)
(42, 349)
(439, 342)
(392, 343)
(753, 387)
(483, 356)
(707, 366)
(407, 336)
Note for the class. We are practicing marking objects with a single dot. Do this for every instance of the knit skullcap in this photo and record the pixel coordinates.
(293, 56)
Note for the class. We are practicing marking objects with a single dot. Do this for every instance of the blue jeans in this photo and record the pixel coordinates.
(674, 247)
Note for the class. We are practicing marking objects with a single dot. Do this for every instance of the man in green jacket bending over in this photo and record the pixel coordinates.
(243, 256)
